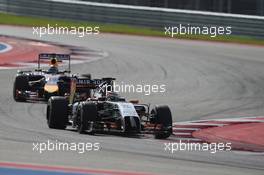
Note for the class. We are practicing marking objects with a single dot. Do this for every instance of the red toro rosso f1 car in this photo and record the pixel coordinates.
(102, 110)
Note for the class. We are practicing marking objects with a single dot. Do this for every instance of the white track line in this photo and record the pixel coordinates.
(241, 119)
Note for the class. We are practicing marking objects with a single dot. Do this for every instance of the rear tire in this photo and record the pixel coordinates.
(20, 84)
(57, 113)
(162, 116)
(88, 115)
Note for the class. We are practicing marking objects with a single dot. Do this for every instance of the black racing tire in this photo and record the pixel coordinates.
(20, 84)
(57, 112)
(162, 115)
(88, 115)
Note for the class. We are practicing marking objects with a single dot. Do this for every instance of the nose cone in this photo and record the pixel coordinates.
(51, 88)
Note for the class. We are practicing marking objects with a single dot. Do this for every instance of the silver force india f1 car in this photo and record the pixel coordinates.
(102, 110)
(42, 84)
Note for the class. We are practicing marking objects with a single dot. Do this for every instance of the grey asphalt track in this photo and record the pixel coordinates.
(203, 80)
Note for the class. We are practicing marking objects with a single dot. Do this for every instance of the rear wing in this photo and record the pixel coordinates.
(82, 84)
(59, 57)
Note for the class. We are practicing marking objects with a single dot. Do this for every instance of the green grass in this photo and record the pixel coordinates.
(9, 19)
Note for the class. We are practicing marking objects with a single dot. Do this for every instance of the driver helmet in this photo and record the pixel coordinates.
(54, 62)
(53, 66)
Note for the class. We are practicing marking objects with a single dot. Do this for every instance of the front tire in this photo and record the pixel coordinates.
(88, 115)
(57, 113)
(162, 116)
